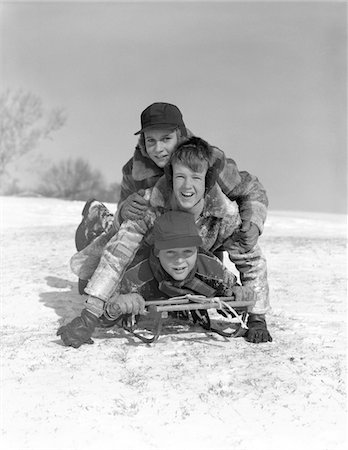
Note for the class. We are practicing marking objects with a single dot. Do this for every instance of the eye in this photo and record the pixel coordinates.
(150, 141)
(188, 253)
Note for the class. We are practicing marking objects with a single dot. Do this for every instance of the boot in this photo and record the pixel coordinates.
(257, 329)
(96, 218)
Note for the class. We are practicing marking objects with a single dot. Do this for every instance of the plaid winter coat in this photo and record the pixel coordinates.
(140, 172)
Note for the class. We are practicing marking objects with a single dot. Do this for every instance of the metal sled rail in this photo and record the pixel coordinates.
(194, 303)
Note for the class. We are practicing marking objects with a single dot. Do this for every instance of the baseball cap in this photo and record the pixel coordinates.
(176, 229)
(161, 115)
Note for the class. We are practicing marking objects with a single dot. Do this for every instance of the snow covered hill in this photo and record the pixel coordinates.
(191, 390)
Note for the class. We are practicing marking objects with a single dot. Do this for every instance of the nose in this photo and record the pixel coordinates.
(179, 259)
(187, 183)
(159, 146)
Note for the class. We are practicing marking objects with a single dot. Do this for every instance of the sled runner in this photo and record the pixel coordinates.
(197, 306)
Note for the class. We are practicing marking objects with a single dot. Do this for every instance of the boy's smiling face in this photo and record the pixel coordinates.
(178, 262)
(188, 185)
(160, 144)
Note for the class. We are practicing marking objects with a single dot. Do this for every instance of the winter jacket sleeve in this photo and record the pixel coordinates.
(251, 198)
(243, 188)
(252, 268)
(128, 186)
(117, 255)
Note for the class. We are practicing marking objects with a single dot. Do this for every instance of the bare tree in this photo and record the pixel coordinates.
(72, 179)
(24, 124)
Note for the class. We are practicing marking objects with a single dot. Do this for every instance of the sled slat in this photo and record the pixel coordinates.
(194, 305)
(167, 301)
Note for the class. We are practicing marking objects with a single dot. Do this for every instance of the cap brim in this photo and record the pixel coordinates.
(179, 242)
(159, 126)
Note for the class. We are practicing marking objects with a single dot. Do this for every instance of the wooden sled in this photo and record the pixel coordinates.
(196, 304)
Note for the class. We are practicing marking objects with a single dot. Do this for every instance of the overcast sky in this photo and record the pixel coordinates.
(264, 81)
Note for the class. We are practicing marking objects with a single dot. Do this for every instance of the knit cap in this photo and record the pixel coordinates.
(176, 229)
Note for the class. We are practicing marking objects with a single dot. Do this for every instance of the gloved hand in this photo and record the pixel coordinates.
(134, 206)
(237, 293)
(247, 236)
(126, 304)
(79, 330)
(240, 293)
(257, 331)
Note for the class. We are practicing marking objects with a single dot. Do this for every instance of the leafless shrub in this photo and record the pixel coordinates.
(24, 124)
(74, 179)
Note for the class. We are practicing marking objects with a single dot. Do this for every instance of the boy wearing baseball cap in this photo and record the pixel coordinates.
(174, 266)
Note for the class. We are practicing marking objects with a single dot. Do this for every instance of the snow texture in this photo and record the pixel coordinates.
(191, 390)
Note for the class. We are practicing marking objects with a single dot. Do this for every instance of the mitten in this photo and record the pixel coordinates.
(134, 206)
(237, 293)
(243, 293)
(126, 304)
(257, 329)
(240, 294)
(79, 330)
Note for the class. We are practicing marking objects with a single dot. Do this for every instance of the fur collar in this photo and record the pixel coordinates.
(143, 166)
(215, 202)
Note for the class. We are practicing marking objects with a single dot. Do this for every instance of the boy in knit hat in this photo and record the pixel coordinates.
(174, 266)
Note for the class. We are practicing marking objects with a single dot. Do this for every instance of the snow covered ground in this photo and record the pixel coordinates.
(190, 390)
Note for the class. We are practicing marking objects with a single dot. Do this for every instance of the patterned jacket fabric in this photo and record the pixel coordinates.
(140, 172)
(217, 223)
